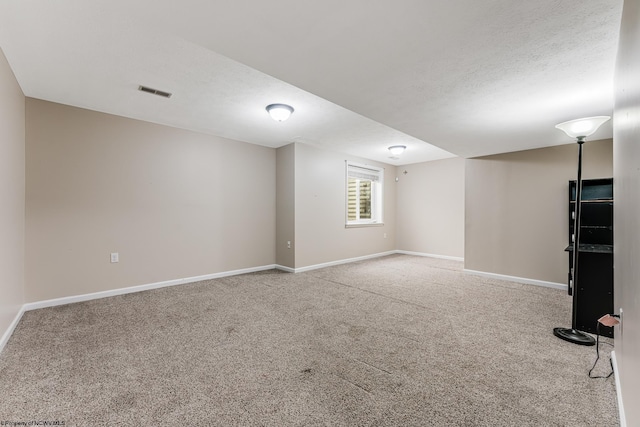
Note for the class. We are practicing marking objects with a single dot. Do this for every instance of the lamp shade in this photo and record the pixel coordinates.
(396, 150)
(279, 112)
(582, 128)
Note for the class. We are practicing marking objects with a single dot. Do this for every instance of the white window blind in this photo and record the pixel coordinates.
(362, 173)
(364, 194)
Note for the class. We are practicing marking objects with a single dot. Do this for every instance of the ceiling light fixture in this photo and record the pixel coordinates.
(396, 150)
(579, 129)
(279, 112)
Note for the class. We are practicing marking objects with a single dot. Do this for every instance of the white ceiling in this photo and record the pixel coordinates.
(466, 77)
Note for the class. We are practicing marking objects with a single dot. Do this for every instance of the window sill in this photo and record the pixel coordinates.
(364, 224)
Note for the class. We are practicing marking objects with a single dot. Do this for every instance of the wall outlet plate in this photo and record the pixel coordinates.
(620, 322)
(115, 257)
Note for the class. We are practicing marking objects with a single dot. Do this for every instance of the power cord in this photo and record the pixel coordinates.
(598, 352)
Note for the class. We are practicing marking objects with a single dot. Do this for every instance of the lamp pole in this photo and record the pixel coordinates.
(572, 334)
(579, 129)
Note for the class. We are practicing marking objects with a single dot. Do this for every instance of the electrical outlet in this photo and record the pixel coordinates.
(115, 257)
(288, 244)
(620, 322)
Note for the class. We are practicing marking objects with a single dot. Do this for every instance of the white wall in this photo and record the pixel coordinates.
(12, 189)
(516, 209)
(430, 207)
(320, 192)
(174, 204)
(626, 161)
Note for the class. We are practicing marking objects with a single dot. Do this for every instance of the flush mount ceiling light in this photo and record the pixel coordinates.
(582, 128)
(279, 112)
(396, 150)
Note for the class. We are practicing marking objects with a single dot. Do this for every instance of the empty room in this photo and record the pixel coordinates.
(323, 213)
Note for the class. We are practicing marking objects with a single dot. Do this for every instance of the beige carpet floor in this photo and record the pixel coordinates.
(394, 341)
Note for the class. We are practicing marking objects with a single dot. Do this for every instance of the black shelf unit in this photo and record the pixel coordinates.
(595, 263)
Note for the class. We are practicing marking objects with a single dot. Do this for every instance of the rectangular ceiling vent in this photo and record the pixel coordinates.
(154, 91)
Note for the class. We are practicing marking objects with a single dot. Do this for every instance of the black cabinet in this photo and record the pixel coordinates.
(594, 288)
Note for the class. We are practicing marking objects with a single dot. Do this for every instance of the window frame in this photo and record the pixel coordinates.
(377, 196)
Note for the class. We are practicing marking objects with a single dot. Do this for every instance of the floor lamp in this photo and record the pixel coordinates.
(579, 129)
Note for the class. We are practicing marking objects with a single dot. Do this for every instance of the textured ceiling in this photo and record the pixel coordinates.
(472, 78)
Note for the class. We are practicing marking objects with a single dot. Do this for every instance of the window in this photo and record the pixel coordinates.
(364, 194)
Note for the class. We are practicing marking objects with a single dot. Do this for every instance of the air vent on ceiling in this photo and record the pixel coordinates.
(154, 91)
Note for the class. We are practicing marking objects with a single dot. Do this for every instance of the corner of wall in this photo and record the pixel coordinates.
(12, 200)
(285, 206)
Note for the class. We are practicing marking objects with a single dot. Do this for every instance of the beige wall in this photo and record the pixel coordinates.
(173, 203)
(285, 206)
(12, 188)
(516, 209)
(430, 208)
(626, 163)
(320, 233)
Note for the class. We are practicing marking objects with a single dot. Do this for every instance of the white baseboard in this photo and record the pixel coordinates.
(614, 362)
(362, 258)
(516, 279)
(140, 288)
(122, 291)
(284, 268)
(339, 262)
(7, 334)
(452, 258)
